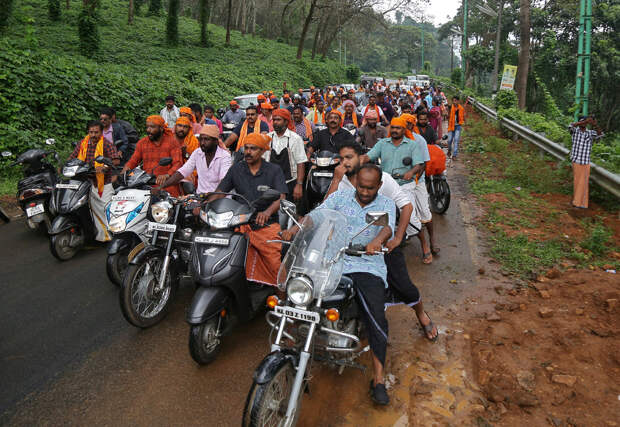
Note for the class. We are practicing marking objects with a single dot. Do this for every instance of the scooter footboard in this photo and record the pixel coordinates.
(207, 302)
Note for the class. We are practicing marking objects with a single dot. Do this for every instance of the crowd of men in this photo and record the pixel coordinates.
(373, 130)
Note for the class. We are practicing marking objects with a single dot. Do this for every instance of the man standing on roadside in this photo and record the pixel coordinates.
(583, 138)
(456, 119)
(170, 112)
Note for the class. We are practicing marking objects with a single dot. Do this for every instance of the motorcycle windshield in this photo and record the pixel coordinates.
(314, 251)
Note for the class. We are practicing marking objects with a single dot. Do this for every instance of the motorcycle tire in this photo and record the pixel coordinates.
(116, 266)
(440, 197)
(204, 344)
(269, 401)
(59, 246)
(137, 290)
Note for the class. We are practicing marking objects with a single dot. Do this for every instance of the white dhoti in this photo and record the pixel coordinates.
(97, 209)
(415, 224)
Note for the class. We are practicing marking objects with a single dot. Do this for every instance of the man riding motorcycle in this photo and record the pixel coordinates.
(330, 139)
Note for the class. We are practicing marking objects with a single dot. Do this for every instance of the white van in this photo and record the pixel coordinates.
(411, 80)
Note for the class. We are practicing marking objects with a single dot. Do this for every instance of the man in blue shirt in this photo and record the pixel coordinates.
(369, 272)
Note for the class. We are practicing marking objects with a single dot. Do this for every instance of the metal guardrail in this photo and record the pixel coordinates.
(607, 180)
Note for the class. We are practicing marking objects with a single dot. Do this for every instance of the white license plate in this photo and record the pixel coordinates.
(212, 240)
(295, 313)
(35, 210)
(68, 186)
(324, 174)
(124, 198)
(170, 228)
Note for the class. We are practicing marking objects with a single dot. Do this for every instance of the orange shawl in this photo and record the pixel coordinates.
(244, 132)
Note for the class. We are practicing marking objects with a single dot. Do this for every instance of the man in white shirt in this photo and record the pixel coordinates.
(170, 112)
(401, 288)
(287, 150)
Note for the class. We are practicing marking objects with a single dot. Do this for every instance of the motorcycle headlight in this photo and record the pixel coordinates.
(219, 220)
(323, 161)
(239, 219)
(117, 224)
(299, 290)
(161, 211)
(69, 171)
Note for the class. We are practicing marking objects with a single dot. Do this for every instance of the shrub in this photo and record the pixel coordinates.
(88, 31)
(172, 23)
(505, 99)
(53, 9)
(455, 77)
(353, 73)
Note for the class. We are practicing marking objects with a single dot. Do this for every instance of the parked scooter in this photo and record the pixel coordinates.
(127, 219)
(438, 190)
(74, 225)
(320, 176)
(224, 297)
(320, 318)
(35, 191)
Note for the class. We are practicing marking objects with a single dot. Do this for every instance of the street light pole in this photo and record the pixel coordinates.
(422, 29)
(497, 42)
(464, 44)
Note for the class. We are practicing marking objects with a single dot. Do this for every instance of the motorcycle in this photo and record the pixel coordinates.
(74, 225)
(223, 298)
(127, 219)
(227, 129)
(438, 190)
(320, 176)
(35, 191)
(320, 318)
(155, 269)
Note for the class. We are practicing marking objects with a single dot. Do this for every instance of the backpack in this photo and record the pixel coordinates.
(437, 164)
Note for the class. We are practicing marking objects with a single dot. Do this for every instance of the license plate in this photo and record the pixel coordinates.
(68, 186)
(295, 313)
(124, 198)
(212, 240)
(324, 174)
(35, 210)
(170, 228)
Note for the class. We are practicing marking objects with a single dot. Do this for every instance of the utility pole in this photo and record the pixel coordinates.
(451, 54)
(583, 58)
(464, 44)
(345, 52)
(422, 29)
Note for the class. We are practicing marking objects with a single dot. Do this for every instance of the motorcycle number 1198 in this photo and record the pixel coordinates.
(295, 313)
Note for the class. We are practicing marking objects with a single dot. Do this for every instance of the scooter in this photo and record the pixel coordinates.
(320, 176)
(319, 319)
(127, 219)
(35, 191)
(74, 225)
(223, 298)
(438, 190)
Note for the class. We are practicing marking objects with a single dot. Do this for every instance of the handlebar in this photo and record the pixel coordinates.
(359, 250)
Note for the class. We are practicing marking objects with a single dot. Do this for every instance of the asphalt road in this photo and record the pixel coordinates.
(67, 356)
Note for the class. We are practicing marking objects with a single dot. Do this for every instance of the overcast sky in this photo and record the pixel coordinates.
(441, 11)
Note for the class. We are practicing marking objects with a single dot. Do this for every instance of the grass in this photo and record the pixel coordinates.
(521, 256)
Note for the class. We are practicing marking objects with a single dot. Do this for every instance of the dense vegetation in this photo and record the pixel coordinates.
(48, 89)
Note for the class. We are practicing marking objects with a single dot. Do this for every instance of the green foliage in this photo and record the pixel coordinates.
(505, 99)
(353, 73)
(172, 23)
(599, 238)
(5, 14)
(427, 66)
(204, 13)
(521, 256)
(53, 9)
(456, 76)
(88, 31)
(155, 7)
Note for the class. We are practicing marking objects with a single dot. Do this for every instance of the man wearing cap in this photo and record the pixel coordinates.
(331, 138)
(250, 125)
(265, 115)
(170, 112)
(287, 150)
(234, 115)
(262, 259)
(158, 143)
(211, 162)
(371, 131)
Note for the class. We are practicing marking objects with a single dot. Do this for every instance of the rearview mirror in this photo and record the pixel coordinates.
(165, 161)
(287, 205)
(50, 141)
(377, 218)
(407, 161)
(104, 160)
(6, 154)
(262, 188)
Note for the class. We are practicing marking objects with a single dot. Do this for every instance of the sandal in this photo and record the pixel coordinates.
(435, 250)
(378, 394)
(427, 258)
(428, 329)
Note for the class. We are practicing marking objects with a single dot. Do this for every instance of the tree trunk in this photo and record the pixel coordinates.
(304, 31)
(203, 11)
(228, 19)
(317, 36)
(253, 18)
(130, 13)
(238, 17)
(524, 52)
(68, 4)
(244, 14)
(283, 34)
(172, 23)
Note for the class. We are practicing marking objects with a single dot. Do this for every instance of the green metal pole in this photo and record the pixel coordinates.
(422, 48)
(465, 43)
(582, 10)
(586, 58)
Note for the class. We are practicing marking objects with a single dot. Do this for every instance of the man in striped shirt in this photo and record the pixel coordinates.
(583, 139)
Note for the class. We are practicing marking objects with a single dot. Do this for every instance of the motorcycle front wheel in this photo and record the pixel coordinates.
(440, 196)
(142, 304)
(267, 403)
(60, 245)
(116, 266)
(204, 342)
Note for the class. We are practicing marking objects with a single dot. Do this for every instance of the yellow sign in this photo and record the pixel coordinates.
(508, 77)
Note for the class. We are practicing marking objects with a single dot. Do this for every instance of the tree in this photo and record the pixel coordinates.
(130, 12)
(154, 7)
(87, 28)
(524, 52)
(5, 14)
(53, 9)
(204, 11)
(228, 23)
(304, 31)
(172, 23)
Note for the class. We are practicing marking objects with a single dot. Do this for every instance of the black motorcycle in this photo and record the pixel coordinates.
(224, 297)
(438, 190)
(74, 225)
(320, 176)
(154, 272)
(35, 191)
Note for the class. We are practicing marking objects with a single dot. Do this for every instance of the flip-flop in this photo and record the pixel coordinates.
(428, 329)
(427, 258)
(434, 250)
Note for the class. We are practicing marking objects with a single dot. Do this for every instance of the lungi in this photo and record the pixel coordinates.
(581, 183)
(262, 261)
(97, 209)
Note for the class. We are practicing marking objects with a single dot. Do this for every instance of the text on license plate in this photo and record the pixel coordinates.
(68, 186)
(170, 228)
(324, 174)
(295, 313)
(35, 210)
(212, 240)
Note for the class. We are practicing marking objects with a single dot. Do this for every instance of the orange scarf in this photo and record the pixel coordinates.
(376, 110)
(354, 118)
(308, 129)
(461, 112)
(98, 152)
(244, 132)
(316, 116)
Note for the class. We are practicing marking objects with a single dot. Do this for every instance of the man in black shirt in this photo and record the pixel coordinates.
(424, 129)
(331, 138)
